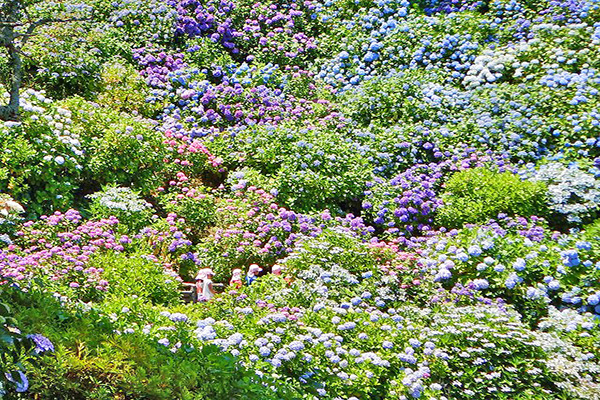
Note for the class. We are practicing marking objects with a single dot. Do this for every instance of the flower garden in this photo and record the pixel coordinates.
(425, 172)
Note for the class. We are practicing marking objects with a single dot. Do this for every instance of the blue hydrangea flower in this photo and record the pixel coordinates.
(480, 284)
(42, 343)
(475, 251)
(512, 280)
(21, 385)
(296, 345)
(593, 299)
(519, 264)
(178, 317)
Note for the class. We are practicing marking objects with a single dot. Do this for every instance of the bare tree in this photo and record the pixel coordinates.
(17, 26)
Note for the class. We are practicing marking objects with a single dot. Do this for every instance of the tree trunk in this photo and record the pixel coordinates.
(10, 16)
(10, 112)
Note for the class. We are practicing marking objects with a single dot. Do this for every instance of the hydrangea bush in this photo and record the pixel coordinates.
(573, 194)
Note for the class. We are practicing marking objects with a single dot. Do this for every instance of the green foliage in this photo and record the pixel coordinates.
(123, 89)
(198, 210)
(137, 275)
(65, 60)
(131, 367)
(15, 161)
(309, 169)
(36, 167)
(120, 148)
(17, 350)
(386, 102)
(381, 104)
(62, 149)
(209, 53)
(478, 195)
(97, 359)
(340, 249)
(591, 233)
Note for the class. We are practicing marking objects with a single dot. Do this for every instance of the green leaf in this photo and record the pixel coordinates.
(4, 309)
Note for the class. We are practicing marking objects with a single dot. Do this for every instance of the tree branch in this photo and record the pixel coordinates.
(44, 21)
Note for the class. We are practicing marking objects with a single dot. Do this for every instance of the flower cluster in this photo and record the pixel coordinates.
(58, 248)
(121, 198)
(534, 273)
(252, 227)
(574, 194)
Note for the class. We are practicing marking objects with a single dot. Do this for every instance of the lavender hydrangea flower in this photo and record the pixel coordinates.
(42, 343)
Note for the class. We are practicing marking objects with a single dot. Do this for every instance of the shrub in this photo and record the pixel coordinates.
(119, 148)
(307, 169)
(17, 350)
(132, 367)
(65, 60)
(138, 275)
(520, 261)
(346, 330)
(61, 263)
(123, 89)
(61, 149)
(131, 210)
(297, 111)
(99, 357)
(252, 228)
(405, 204)
(197, 208)
(573, 194)
(17, 152)
(40, 166)
(478, 195)
(388, 100)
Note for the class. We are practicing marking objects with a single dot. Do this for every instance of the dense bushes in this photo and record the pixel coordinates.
(197, 209)
(93, 360)
(62, 149)
(406, 163)
(119, 149)
(478, 195)
(307, 169)
(138, 275)
(123, 89)
(42, 161)
(520, 261)
(574, 194)
(16, 349)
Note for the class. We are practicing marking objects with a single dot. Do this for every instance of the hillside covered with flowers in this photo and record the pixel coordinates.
(417, 182)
